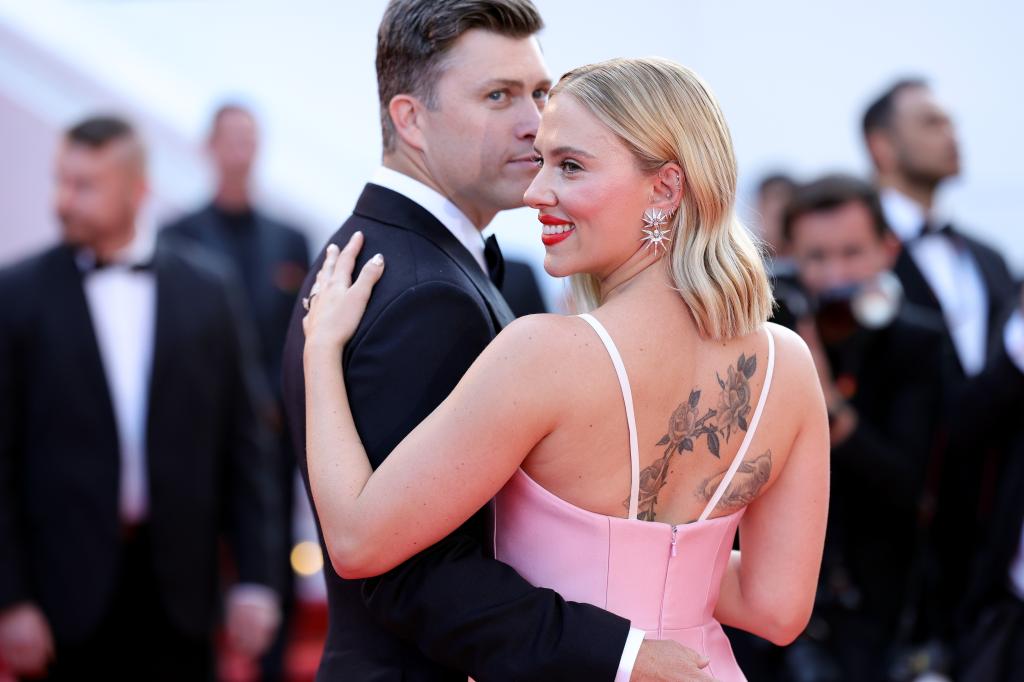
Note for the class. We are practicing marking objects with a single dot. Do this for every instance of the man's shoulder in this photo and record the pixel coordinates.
(193, 265)
(26, 269)
(185, 225)
(281, 228)
(411, 258)
(25, 280)
(987, 255)
(915, 340)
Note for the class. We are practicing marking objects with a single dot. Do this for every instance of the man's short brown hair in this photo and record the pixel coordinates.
(415, 35)
(829, 193)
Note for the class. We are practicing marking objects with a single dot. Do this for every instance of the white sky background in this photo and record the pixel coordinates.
(793, 78)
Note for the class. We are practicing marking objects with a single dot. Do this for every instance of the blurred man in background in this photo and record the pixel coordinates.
(129, 442)
(880, 363)
(913, 145)
(270, 259)
(773, 195)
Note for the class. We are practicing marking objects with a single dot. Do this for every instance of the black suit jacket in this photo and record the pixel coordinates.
(59, 468)
(981, 415)
(452, 609)
(978, 404)
(280, 262)
(879, 471)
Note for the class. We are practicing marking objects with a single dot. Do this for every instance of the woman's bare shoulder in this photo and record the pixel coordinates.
(532, 333)
(543, 344)
(795, 374)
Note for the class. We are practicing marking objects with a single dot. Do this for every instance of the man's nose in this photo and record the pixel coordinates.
(529, 119)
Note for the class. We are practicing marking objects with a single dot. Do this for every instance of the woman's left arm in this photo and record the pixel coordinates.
(446, 469)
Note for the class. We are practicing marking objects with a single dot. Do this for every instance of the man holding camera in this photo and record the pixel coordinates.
(880, 362)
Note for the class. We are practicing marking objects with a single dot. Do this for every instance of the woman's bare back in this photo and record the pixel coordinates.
(693, 400)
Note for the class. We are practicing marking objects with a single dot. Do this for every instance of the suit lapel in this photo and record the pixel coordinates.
(75, 335)
(915, 286)
(387, 206)
(995, 292)
(170, 316)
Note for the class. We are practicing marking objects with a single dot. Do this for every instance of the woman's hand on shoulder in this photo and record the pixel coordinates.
(335, 303)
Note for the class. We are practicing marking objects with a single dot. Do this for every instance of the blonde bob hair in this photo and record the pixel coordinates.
(664, 112)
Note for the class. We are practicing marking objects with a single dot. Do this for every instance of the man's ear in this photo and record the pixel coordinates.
(892, 246)
(881, 149)
(406, 117)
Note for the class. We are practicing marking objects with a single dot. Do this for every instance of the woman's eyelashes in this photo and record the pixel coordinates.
(570, 167)
(567, 166)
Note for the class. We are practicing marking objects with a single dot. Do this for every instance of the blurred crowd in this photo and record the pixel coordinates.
(146, 476)
(917, 333)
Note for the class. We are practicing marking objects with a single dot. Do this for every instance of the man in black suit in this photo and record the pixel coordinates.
(913, 145)
(129, 442)
(270, 260)
(461, 88)
(880, 363)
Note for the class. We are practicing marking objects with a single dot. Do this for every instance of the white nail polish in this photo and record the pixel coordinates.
(377, 260)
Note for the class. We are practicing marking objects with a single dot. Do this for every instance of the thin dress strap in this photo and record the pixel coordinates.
(752, 427)
(627, 398)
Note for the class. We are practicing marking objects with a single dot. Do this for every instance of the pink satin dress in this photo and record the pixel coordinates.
(663, 578)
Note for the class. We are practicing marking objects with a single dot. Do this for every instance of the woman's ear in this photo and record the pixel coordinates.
(405, 112)
(667, 188)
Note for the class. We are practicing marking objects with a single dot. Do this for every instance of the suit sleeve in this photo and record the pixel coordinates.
(461, 607)
(13, 575)
(890, 457)
(253, 498)
(983, 403)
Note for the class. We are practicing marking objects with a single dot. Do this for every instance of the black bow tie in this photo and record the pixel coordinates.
(929, 228)
(87, 263)
(495, 261)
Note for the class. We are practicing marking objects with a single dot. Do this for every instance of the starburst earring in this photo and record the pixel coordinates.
(655, 234)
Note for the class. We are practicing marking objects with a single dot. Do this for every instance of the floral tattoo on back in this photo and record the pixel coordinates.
(689, 423)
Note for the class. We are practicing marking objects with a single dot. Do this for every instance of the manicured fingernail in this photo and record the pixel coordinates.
(377, 260)
(357, 233)
(332, 247)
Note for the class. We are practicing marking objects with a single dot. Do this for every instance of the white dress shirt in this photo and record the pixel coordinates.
(438, 205)
(449, 215)
(122, 305)
(952, 274)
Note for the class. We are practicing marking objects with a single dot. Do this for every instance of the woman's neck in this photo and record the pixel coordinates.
(643, 269)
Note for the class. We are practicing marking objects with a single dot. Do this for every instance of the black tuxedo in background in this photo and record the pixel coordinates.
(521, 290)
(981, 417)
(271, 260)
(62, 539)
(451, 610)
(872, 569)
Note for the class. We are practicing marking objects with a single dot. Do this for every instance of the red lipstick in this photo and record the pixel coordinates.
(549, 238)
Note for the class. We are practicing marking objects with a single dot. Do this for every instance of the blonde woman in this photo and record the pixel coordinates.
(624, 447)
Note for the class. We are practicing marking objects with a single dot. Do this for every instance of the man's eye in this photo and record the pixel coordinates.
(540, 95)
(497, 96)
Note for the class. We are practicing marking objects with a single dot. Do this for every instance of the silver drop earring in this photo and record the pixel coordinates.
(655, 234)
